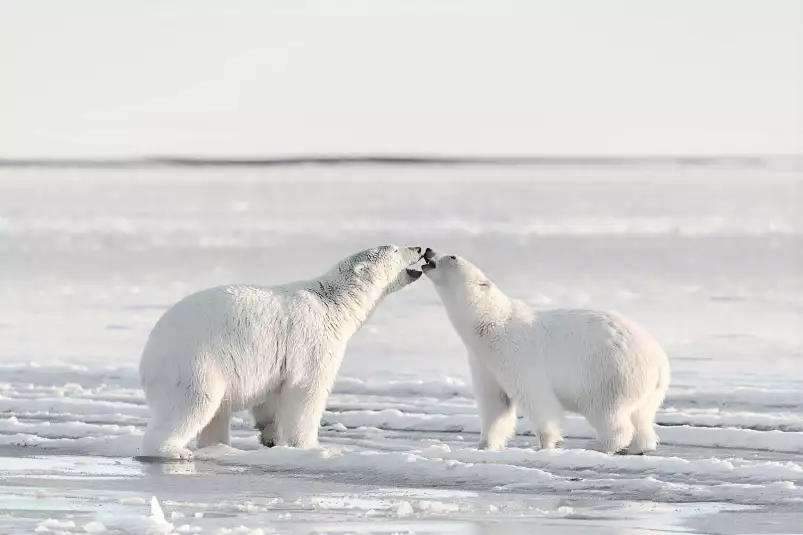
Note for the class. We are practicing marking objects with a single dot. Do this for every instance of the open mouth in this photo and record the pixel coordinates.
(429, 260)
(414, 273)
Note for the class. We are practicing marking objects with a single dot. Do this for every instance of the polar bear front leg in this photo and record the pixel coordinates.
(265, 420)
(497, 409)
(545, 413)
(217, 431)
(300, 411)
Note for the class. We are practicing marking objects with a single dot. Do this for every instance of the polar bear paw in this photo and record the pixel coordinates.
(549, 440)
(486, 445)
(607, 447)
(644, 441)
(177, 454)
(167, 453)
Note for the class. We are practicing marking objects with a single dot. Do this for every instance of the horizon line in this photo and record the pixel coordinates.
(397, 159)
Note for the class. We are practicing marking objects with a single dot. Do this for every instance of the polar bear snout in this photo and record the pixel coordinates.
(412, 254)
(429, 260)
(433, 259)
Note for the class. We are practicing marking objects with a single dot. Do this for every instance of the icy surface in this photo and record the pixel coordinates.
(707, 259)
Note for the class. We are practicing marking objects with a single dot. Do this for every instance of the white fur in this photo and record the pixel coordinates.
(599, 364)
(273, 350)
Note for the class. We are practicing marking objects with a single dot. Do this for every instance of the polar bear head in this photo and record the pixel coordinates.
(452, 271)
(474, 304)
(387, 267)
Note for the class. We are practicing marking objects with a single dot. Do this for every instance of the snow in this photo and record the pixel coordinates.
(708, 259)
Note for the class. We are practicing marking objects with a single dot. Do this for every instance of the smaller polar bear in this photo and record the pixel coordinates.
(599, 364)
(274, 350)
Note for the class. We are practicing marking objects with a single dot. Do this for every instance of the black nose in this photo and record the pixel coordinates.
(429, 254)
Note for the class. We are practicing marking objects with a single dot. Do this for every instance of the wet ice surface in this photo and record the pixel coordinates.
(707, 259)
(77, 494)
(377, 477)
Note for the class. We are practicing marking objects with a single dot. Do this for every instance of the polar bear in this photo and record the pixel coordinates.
(274, 350)
(599, 364)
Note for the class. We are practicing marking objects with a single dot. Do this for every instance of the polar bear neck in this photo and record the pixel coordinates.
(476, 310)
(347, 303)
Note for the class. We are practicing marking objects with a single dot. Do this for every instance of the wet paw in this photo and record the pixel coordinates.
(268, 442)
(484, 445)
(177, 454)
(166, 454)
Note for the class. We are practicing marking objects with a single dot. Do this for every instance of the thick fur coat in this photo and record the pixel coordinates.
(273, 350)
(599, 364)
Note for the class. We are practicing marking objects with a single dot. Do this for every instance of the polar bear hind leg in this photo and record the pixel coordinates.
(614, 430)
(173, 424)
(643, 418)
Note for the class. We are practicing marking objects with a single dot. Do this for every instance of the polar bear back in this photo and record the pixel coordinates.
(591, 355)
(241, 336)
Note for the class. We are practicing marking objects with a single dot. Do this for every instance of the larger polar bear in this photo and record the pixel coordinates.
(273, 350)
(599, 364)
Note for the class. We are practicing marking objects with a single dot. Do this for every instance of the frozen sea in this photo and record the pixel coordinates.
(708, 257)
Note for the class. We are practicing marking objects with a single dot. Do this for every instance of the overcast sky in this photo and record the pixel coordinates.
(110, 78)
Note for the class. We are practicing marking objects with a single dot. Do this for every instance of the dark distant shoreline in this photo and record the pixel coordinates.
(403, 160)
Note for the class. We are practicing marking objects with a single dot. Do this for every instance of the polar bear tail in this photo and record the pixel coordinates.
(645, 438)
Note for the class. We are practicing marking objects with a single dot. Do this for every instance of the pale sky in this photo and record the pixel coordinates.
(260, 78)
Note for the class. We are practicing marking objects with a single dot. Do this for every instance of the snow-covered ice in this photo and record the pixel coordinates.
(707, 258)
